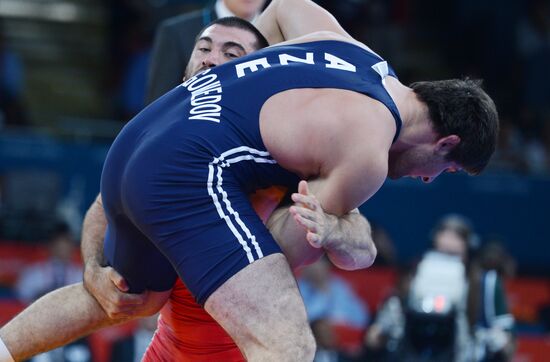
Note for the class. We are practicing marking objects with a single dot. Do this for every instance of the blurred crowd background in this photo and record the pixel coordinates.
(463, 271)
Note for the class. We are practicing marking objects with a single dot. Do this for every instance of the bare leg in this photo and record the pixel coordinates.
(58, 318)
(262, 310)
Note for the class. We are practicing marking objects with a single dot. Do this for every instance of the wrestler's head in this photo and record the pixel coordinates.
(464, 127)
(223, 40)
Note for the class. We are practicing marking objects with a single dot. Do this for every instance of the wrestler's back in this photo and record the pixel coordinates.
(305, 129)
(300, 127)
(331, 100)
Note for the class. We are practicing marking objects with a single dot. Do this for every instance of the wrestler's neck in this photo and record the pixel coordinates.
(416, 128)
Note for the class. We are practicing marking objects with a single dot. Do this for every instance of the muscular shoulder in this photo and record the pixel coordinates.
(364, 143)
(366, 123)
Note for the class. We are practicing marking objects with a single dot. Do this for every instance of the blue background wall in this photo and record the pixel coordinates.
(514, 208)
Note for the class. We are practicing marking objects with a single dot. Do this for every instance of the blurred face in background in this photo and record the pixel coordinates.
(62, 247)
(324, 334)
(449, 241)
(318, 273)
(245, 9)
(219, 44)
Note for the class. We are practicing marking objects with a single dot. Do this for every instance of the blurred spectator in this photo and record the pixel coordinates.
(436, 315)
(325, 340)
(509, 155)
(175, 40)
(385, 247)
(327, 296)
(130, 41)
(493, 256)
(59, 270)
(427, 320)
(386, 332)
(544, 317)
(537, 150)
(133, 347)
(492, 323)
(130, 32)
(533, 46)
(11, 85)
(134, 79)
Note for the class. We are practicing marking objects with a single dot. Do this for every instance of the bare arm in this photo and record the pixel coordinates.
(350, 246)
(346, 239)
(93, 231)
(296, 249)
(104, 283)
(289, 19)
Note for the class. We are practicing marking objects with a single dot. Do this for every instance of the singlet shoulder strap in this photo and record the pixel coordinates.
(384, 70)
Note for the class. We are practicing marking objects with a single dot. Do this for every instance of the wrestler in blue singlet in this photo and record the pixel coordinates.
(176, 181)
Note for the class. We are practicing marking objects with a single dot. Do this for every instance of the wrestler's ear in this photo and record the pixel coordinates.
(446, 144)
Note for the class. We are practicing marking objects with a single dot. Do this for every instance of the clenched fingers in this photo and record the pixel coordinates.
(305, 213)
(310, 225)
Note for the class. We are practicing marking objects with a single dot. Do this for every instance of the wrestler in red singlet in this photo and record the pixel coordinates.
(185, 331)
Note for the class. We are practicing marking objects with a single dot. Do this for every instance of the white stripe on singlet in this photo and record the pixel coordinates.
(216, 191)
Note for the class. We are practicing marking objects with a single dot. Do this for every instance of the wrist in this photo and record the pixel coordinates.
(331, 224)
(91, 267)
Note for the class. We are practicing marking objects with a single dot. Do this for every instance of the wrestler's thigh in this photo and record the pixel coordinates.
(261, 307)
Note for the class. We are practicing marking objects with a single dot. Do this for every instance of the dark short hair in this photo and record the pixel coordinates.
(461, 107)
(235, 22)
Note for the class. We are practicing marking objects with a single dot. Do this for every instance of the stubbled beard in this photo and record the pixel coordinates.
(187, 74)
(395, 173)
(393, 167)
(400, 167)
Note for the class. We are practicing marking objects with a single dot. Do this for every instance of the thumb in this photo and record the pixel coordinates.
(119, 281)
(303, 188)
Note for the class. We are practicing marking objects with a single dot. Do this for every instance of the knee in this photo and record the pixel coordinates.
(300, 346)
(292, 346)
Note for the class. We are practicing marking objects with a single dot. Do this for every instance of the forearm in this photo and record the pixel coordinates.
(291, 237)
(290, 19)
(55, 319)
(93, 233)
(349, 245)
(268, 25)
(91, 246)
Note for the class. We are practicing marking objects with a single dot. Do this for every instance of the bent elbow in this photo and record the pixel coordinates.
(367, 258)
